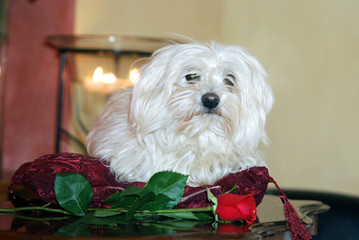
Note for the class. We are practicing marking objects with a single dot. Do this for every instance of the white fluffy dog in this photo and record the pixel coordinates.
(197, 109)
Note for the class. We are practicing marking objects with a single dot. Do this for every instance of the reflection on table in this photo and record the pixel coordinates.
(271, 223)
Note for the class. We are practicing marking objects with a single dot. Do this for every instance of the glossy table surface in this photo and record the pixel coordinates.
(271, 224)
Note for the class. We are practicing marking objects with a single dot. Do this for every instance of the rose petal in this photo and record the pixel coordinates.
(230, 199)
(232, 207)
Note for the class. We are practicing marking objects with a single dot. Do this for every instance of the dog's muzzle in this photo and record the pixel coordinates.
(210, 100)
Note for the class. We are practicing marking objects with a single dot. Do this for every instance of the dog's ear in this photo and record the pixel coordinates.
(150, 94)
(256, 99)
(262, 98)
(263, 91)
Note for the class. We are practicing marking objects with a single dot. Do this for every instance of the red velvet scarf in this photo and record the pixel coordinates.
(37, 178)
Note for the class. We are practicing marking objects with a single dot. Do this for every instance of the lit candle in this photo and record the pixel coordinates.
(134, 76)
(108, 83)
(102, 83)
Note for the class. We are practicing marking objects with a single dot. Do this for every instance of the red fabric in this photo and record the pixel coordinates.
(37, 178)
(294, 224)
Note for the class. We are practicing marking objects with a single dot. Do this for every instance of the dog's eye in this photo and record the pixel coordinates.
(229, 79)
(192, 76)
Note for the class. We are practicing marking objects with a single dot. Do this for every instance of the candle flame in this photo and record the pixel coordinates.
(134, 76)
(97, 75)
(108, 78)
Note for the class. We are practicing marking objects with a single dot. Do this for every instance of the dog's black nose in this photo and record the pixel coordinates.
(210, 100)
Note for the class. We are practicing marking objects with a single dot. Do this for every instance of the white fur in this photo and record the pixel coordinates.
(161, 123)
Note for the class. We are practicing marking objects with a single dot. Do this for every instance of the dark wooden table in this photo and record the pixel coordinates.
(271, 225)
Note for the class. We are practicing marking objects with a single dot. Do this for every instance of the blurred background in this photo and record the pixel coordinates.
(309, 49)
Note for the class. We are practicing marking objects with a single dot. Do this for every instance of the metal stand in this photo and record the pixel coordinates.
(60, 98)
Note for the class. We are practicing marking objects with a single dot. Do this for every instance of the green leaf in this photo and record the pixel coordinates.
(146, 196)
(126, 198)
(101, 213)
(154, 230)
(170, 184)
(158, 203)
(113, 198)
(178, 224)
(74, 229)
(73, 192)
(110, 221)
(203, 216)
(187, 215)
(132, 191)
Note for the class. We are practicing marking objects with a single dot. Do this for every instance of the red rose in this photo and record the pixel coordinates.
(232, 207)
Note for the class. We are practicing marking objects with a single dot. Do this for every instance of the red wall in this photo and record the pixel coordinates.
(31, 76)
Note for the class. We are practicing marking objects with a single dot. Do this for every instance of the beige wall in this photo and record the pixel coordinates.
(311, 52)
(150, 18)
